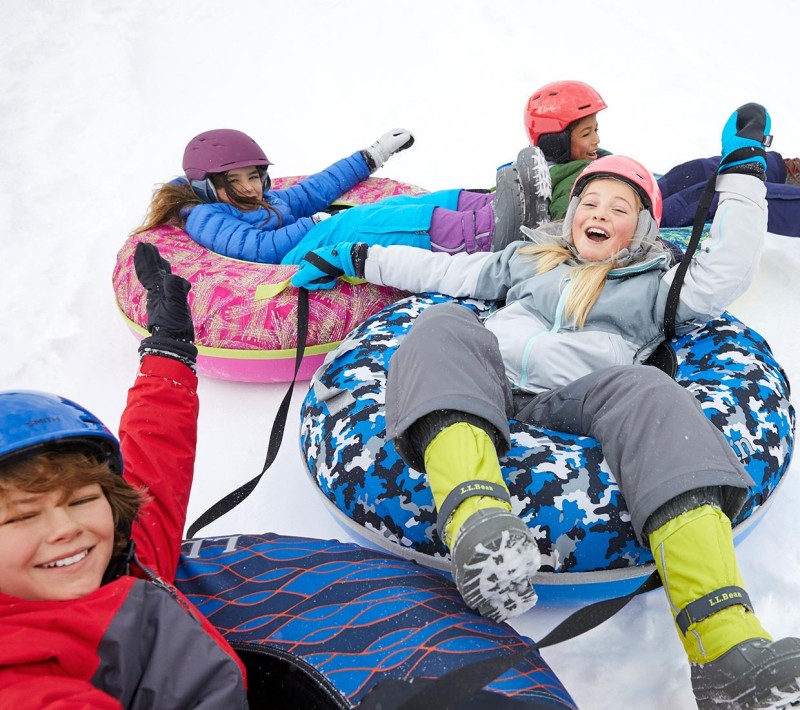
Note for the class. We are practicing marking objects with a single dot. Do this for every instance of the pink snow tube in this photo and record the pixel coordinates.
(244, 330)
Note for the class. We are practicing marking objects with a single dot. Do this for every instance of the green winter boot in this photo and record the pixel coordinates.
(734, 662)
(493, 554)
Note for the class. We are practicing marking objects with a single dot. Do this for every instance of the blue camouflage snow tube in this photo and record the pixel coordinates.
(560, 484)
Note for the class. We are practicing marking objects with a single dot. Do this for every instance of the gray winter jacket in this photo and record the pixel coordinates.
(540, 348)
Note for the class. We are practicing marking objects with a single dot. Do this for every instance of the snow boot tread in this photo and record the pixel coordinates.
(754, 674)
(493, 560)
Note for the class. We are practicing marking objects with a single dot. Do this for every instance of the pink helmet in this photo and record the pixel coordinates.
(220, 150)
(628, 171)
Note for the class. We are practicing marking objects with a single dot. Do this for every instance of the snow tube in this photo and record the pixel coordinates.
(241, 334)
(560, 484)
(325, 624)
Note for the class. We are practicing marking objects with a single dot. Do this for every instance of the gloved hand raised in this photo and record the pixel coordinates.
(320, 268)
(386, 146)
(169, 319)
(744, 138)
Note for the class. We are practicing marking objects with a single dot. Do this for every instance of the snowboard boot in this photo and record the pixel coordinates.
(734, 662)
(493, 554)
(534, 176)
(509, 208)
(753, 674)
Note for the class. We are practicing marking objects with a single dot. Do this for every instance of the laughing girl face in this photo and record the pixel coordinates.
(56, 545)
(605, 219)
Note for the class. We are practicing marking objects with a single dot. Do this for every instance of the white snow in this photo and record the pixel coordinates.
(99, 97)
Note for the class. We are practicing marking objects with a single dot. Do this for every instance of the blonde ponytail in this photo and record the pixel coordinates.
(588, 280)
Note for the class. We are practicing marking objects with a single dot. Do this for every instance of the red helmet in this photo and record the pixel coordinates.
(629, 171)
(555, 106)
(221, 150)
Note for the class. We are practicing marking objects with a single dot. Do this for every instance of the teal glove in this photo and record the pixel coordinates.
(320, 268)
(744, 138)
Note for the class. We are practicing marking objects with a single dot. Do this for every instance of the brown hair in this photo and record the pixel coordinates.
(68, 471)
(170, 199)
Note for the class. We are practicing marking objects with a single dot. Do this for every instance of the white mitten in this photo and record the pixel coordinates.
(388, 144)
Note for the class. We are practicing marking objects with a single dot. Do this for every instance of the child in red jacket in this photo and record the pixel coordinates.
(90, 533)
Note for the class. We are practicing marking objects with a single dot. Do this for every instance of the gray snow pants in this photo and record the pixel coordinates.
(654, 435)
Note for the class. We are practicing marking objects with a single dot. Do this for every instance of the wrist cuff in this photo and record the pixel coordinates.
(358, 255)
(166, 346)
(370, 161)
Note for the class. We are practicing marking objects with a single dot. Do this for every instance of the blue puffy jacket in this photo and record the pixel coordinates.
(258, 235)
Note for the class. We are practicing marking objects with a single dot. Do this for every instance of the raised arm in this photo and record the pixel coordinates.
(727, 261)
(158, 432)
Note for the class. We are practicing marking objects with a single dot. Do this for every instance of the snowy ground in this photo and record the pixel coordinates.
(98, 98)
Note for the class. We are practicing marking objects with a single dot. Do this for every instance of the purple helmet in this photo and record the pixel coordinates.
(221, 150)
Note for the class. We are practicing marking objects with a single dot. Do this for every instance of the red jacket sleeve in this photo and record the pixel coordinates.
(158, 434)
(21, 692)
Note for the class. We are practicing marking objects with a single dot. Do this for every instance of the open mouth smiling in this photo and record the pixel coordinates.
(66, 561)
(597, 235)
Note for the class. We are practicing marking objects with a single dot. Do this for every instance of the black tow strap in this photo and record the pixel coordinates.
(674, 295)
(664, 357)
(230, 501)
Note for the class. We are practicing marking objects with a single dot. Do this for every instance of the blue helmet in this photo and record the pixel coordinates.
(33, 422)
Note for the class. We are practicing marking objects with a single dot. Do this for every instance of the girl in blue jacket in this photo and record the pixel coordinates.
(225, 203)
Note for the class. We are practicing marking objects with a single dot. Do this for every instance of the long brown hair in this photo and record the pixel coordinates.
(172, 201)
(167, 204)
(69, 470)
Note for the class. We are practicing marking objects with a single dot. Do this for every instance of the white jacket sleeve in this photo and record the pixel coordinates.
(726, 262)
(419, 270)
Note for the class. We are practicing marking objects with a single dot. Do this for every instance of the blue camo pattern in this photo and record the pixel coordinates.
(559, 483)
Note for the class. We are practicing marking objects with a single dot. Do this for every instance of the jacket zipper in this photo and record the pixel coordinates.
(558, 318)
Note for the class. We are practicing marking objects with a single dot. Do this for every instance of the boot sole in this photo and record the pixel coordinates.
(508, 209)
(493, 562)
(534, 176)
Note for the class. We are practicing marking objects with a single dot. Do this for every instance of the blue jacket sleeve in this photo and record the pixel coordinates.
(316, 192)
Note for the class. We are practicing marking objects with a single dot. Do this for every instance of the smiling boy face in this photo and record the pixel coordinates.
(55, 545)
(584, 139)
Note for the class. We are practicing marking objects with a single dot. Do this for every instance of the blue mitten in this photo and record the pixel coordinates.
(319, 269)
(744, 138)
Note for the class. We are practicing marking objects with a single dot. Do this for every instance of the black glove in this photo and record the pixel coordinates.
(744, 138)
(169, 319)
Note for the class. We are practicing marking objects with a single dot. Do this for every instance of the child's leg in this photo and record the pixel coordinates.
(448, 417)
(695, 558)
(682, 483)
(734, 662)
(468, 229)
